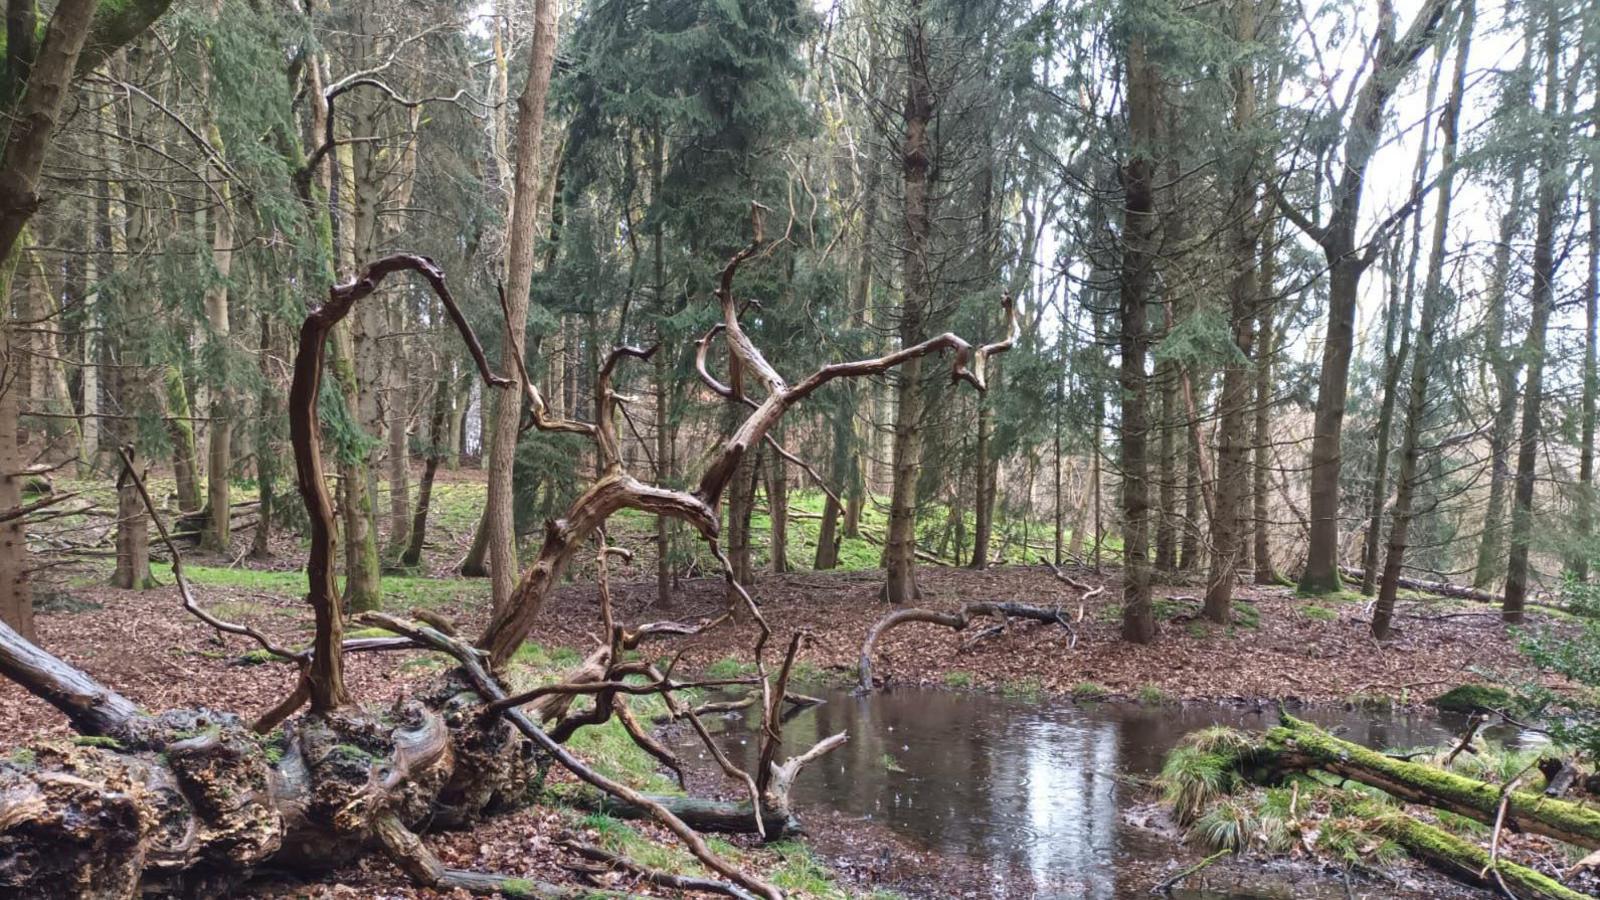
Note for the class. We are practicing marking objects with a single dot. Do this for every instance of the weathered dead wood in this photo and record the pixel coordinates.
(957, 620)
(1441, 588)
(327, 688)
(472, 664)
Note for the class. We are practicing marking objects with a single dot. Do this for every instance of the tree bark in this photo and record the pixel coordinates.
(1266, 358)
(900, 545)
(219, 437)
(522, 226)
(1228, 531)
(1138, 227)
(1552, 186)
(1578, 567)
(1506, 364)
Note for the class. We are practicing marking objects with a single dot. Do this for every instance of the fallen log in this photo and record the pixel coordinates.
(1298, 745)
(958, 620)
(1465, 860)
(1441, 588)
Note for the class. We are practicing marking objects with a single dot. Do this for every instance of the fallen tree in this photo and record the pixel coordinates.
(1299, 745)
(1440, 588)
(192, 800)
(1219, 761)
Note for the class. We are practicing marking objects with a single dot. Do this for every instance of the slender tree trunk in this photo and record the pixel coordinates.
(437, 434)
(1397, 319)
(215, 534)
(663, 377)
(1138, 226)
(519, 282)
(1435, 308)
(1552, 185)
(180, 430)
(269, 408)
(778, 512)
(1506, 365)
(16, 591)
(1578, 568)
(1233, 443)
(1266, 357)
(899, 550)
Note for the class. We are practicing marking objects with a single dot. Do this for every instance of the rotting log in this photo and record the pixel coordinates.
(1441, 588)
(1465, 860)
(957, 620)
(1299, 745)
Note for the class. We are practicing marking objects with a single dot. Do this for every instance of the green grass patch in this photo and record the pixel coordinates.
(958, 679)
(1151, 695)
(1023, 689)
(1090, 690)
(729, 667)
(1320, 613)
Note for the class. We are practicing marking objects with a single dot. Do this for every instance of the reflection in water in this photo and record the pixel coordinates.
(1027, 791)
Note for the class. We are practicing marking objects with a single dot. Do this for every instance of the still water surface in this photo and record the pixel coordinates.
(1029, 790)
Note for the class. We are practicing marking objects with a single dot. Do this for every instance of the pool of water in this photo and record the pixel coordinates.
(1032, 793)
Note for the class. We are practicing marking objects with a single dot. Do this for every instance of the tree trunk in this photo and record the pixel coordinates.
(900, 545)
(1435, 309)
(778, 512)
(1395, 360)
(16, 591)
(215, 535)
(1266, 357)
(522, 225)
(1552, 186)
(1138, 226)
(1233, 438)
(437, 437)
(1578, 568)
(1345, 267)
(1300, 745)
(269, 409)
(1506, 365)
(185, 454)
(1397, 318)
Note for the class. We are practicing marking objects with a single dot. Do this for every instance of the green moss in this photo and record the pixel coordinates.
(24, 757)
(519, 887)
(1320, 613)
(370, 633)
(95, 740)
(1459, 792)
(890, 764)
(1470, 698)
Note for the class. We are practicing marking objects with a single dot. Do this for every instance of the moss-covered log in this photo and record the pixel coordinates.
(1302, 746)
(1465, 860)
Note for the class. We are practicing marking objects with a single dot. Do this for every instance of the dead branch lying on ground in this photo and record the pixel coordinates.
(957, 620)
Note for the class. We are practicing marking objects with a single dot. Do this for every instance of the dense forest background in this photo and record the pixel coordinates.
(1298, 287)
(427, 316)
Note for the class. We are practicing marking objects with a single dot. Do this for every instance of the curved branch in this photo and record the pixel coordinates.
(327, 667)
(958, 621)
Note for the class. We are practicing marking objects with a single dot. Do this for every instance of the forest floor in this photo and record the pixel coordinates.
(1279, 648)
